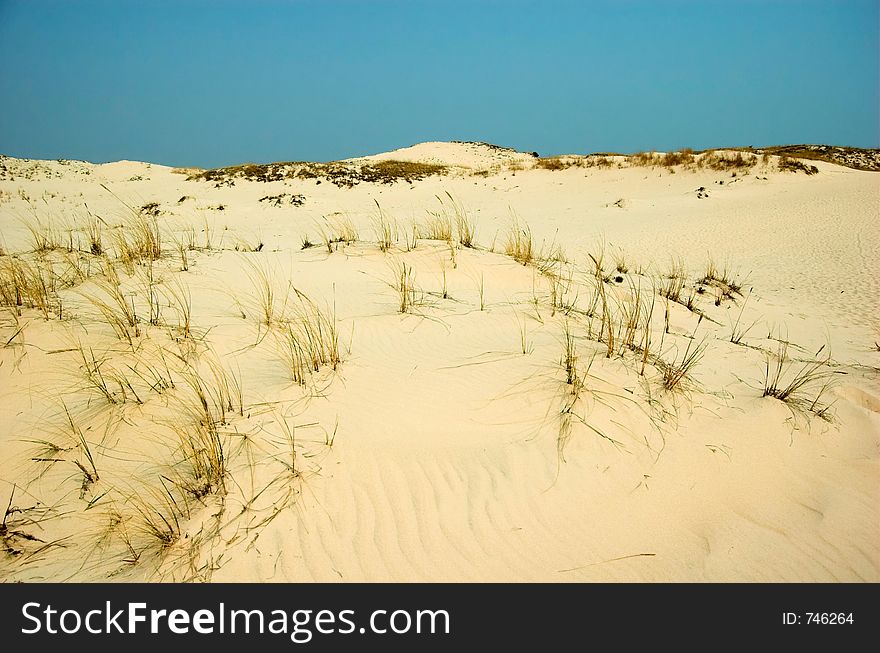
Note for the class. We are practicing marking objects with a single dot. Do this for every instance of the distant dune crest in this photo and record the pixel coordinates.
(481, 156)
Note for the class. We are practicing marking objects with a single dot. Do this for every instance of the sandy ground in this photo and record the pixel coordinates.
(448, 443)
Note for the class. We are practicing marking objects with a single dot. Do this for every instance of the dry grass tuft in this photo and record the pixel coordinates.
(28, 285)
(385, 230)
(93, 235)
(158, 519)
(674, 281)
(676, 372)
(737, 332)
(404, 283)
(334, 230)
(46, 236)
(118, 310)
(727, 162)
(722, 280)
(264, 303)
(570, 357)
(465, 225)
(86, 462)
(788, 164)
(138, 240)
(519, 245)
(309, 339)
(792, 386)
(556, 163)
(437, 226)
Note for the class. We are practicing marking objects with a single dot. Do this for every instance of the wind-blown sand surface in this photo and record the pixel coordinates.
(450, 442)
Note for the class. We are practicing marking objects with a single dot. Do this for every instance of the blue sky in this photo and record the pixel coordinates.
(215, 83)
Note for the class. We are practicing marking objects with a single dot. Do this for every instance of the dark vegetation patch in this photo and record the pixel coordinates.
(492, 146)
(850, 157)
(687, 158)
(787, 164)
(344, 174)
(12, 169)
(283, 199)
(151, 209)
(555, 163)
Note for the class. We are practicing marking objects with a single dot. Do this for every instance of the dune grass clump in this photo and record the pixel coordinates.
(674, 282)
(600, 300)
(683, 157)
(86, 462)
(630, 320)
(409, 296)
(726, 162)
(525, 345)
(344, 229)
(28, 285)
(265, 303)
(179, 299)
(202, 451)
(788, 164)
(94, 237)
(95, 377)
(556, 163)
(437, 226)
(450, 221)
(738, 331)
(645, 344)
(138, 240)
(335, 230)
(573, 389)
(117, 383)
(619, 260)
(158, 519)
(519, 245)
(46, 236)
(570, 357)
(792, 386)
(573, 385)
(553, 163)
(718, 161)
(722, 280)
(183, 252)
(600, 160)
(465, 225)
(151, 209)
(606, 331)
(677, 371)
(119, 311)
(644, 159)
(15, 536)
(309, 339)
(209, 396)
(385, 230)
(561, 282)
(68, 444)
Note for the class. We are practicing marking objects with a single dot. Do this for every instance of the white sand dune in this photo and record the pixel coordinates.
(447, 444)
(458, 154)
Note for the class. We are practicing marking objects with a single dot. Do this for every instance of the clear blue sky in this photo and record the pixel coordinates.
(220, 82)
